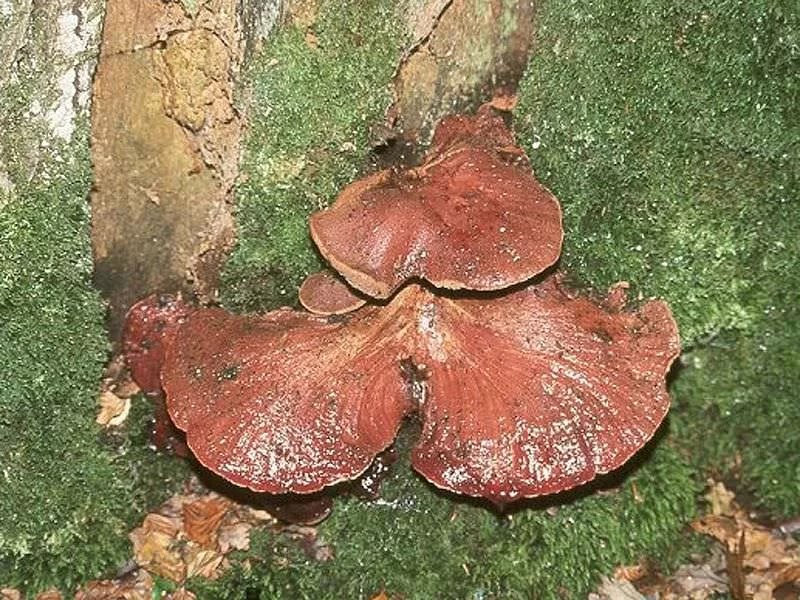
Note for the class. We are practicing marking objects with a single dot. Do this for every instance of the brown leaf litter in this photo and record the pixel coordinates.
(190, 535)
(750, 562)
(116, 391)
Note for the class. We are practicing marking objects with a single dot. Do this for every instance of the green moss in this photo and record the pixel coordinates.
(69, 493)
(51, 350)
(309, 117)
(68, 497)
(746, 385)
(416, 542)
(670, 133)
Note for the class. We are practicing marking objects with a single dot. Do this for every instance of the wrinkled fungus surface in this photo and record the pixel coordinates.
(472, 216)
(287, 401)
(538, 391)
(527, 394)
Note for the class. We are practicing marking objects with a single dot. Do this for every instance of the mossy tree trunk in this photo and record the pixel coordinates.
(165, 146)
(670, 176)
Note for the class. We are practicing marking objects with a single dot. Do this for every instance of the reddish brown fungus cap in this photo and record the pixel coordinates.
(539, 391)
(529, 394)
(325, 293)
(287, 402)
(471, 217)
(149, 326)
(485, 130)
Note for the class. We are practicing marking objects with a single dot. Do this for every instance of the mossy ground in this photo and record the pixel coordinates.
(68, 493)
(670, 132)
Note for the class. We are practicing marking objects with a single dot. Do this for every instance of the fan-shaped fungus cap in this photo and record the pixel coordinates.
(288, 401)
(325, 293)
(471, 217)
(528, 394)
(539, 391)
(149, 325)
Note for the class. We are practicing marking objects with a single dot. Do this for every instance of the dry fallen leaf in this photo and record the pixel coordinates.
(630, 572)
(202, 518)
(156, 547)
(134, 586)
(234, 532)
(189, 535)
(234, 537)
(10, 594)
(173, 507)
(49, 595)
(757, 559)
(697, 582)
(203, 563)
(750, 562)
(719, 527)
(127, 388)
(113, 409)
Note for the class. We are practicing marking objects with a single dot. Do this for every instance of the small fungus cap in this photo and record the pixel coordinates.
(149, 326)
(472, 216)
(325, 293)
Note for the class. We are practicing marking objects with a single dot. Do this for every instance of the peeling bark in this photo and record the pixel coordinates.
(463, 52)
(166, 138)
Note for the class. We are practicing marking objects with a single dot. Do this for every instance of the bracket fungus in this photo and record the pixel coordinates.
(149, 327)
(471, 217)
(524, 391)
(527, 394)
